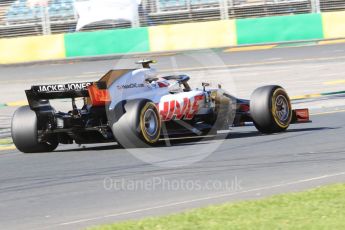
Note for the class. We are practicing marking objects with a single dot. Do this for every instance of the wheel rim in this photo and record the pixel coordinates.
(282, 111)
(150, 122)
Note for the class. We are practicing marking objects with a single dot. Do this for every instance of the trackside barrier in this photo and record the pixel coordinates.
(27, 49)
(279, 29)
(200, 35)
(107, 42)
(186, 36)
(333, 24)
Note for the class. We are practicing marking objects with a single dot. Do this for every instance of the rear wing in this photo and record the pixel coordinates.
(37, 93)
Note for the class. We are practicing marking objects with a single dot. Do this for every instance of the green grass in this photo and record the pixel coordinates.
(6, 141)
(322, 208)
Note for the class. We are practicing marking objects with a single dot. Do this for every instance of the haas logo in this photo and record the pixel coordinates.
(178, 109)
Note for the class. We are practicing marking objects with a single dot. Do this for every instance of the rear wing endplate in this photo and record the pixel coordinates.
(56, 91)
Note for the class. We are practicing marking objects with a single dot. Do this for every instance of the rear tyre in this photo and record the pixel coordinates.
(270, 109)
(24, 132)
(139, 125)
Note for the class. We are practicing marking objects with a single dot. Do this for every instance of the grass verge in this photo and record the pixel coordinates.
(321, 208)
(6, 141)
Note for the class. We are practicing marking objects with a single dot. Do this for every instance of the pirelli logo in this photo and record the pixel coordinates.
(62, 87)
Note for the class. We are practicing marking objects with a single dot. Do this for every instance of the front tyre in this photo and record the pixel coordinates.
(139, 125)
(270, 108)
(24, 132)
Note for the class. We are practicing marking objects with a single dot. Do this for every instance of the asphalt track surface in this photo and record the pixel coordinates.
(76, 187)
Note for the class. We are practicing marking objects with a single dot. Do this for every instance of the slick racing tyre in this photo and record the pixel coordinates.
(139, 125)
(270, 109)
(24, 132)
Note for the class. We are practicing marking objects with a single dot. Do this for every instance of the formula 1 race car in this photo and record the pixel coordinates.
(137, 107)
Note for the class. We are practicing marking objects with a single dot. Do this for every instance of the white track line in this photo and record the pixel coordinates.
(202, 199)
(330, 112)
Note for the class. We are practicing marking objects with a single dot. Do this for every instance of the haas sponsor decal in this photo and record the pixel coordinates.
(130, 86)
(178, 109)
